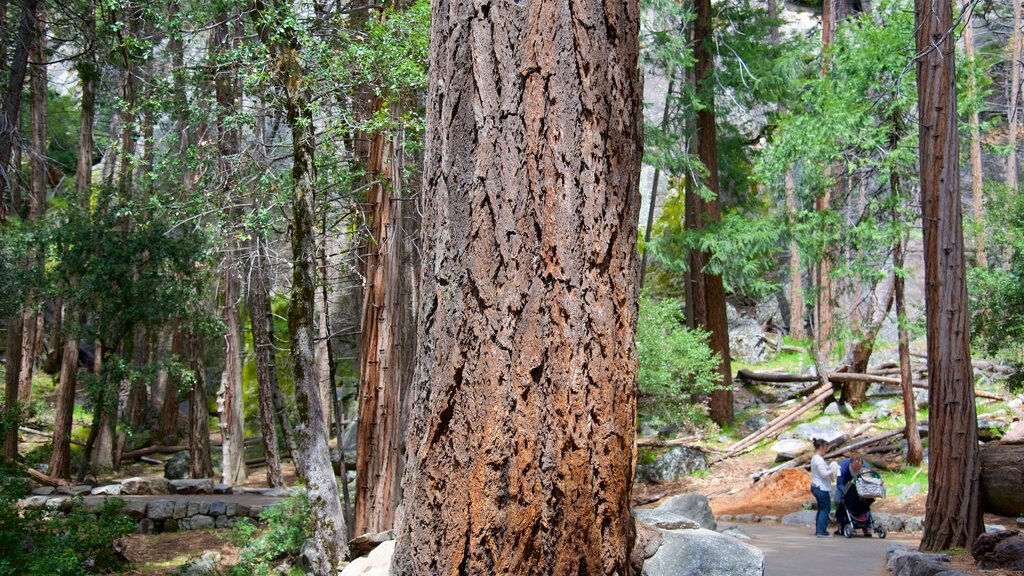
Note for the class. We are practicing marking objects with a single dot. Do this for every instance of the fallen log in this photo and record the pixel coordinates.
(37, 475)
(657, 443)
(1002, 475)
(773, 377)
(778, 423)
(841, 450)
(152, 450)
(25, 430)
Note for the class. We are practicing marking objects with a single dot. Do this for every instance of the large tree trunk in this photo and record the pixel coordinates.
(1002, 475)
(11, 384)
(977, 196)
(521, 447)
(258, 320)
(1013, 103)
(229, 398)
(168, 425)
(954, 514)
(329, 533)
(100, 447)
(200, 461)
(797, 305)
(379, 438)
(712, 316)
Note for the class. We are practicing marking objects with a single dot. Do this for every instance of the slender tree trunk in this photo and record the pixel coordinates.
(855, 393)
(258, 300)
(712, 317)
(915, 452)
(654, 188)
(1013, 111)
(327, 519)
(229, 398)
(200, 462)
(11, 384)
(280, 407)
(101, 447)
(954, 511)
(978, 198)
(524, 420)
(797, 306)
(11, 112)
(168, 427)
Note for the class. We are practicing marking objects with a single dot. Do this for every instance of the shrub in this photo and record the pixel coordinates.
(288, 526)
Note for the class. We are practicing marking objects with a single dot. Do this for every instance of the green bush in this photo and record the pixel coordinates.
(40, 543)
(288, 526)
(676, 363)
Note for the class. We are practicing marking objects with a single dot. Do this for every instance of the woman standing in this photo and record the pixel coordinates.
(821, 487)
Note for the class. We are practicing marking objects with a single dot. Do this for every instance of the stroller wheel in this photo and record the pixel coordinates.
(882, 533)
(848, 531)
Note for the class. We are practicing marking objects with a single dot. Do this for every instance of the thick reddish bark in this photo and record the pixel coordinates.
(521, 445)
(954, 513)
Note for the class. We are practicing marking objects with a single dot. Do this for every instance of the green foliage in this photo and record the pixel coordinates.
(676, 363)
(288, 526)
(40, 543)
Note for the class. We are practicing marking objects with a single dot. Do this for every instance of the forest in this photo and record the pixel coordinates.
(453, 275)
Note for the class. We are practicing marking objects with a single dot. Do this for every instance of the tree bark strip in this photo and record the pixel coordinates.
(954, 512)
(200, 461)
(258, 302)
(11, 112)
(521, 445)
(977, 196)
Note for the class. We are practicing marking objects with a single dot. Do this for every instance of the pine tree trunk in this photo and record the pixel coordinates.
(101, 445)
(521, 445)
(258, 300)
(1013, 104)
(855, 393)
(977, 195)
(12, 100)
(168, 426)
(200, 462)
(797, 305)
(915, 452)
(11, 384)
(229, 398)
(954, 513)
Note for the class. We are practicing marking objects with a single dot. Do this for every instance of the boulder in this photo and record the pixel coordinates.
(790, 449)
(363, 545)
(999, 550)
(769, 313)
(747, 342)
(823, 428)
(664, 519)
(890, 522)
(109, 490)
(200, 522)
(74, 490)
(201, 486)
(160, 510)
(674, 464)
(914, 524)
(700, 552)
(42, 491)
(205, 565)
(135, 509)
(694, 506)
(176, 467)
(918, 564)
(376, 563)
(737, 532)
(801, 518)
(989, 429)
(145, 486)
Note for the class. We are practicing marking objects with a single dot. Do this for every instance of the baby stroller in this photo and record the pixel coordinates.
(853, 512)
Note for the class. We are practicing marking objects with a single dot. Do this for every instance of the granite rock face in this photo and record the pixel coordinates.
(703, 552)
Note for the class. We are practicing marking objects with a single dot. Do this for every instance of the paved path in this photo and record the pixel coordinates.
(794, 551)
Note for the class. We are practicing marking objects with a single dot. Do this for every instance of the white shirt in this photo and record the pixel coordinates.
(821, 475)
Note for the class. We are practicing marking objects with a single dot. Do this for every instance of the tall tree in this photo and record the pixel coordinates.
(1013, 102)
(259, 292)
(277, 30)
(11, 112)
(977, 197)
(954, 512)
(521, 444)
(708, 309)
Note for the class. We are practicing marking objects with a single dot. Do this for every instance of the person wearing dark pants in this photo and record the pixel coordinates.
(821, 487)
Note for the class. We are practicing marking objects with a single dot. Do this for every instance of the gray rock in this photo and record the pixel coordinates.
(1020, 521)
(999, 550)
(790, 449)
(205, 565)
(377, 563)
(200, 486)
(58, 504)
(93, 504)
(180, 510)
(74, 490)
(254, 491)
(160, 509)
(701, 552)
(894, 549)
(278, 492)
(42, 491)
(674, 464)
(171, 525)
(747, 342)
(836, 408)
(822, 428)
(693, 506)
(895, 559)
(770, 519)
(176, 468)
(664, 519)
(909, 492)
(135, 509)
(769, 312)
(223, 522)
(801, 518)
(146, 526)
(34, 502)
(109, 490)
(204, 507)
(200, 522)
(989, 430)
(991, 528)
(749, 518)
(255, 510)
(222, 489)
(193, 509)
(914, 524)
(145, 486)
(753, 424)
(218, 508)
(231, 509)
(737, 532)
(890, 522)
(363, 545)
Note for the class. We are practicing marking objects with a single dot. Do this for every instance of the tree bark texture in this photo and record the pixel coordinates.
(977, 196)
(855, 393)
(258, 319)
(797, 305)
(1013, 103)
(11, 384)
(521, 444)
(915, 451)
(379, 437)
(229, 398)
(200, 461)
(712, 317)
(1002, 475)
(954, 513)
(101, 441)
